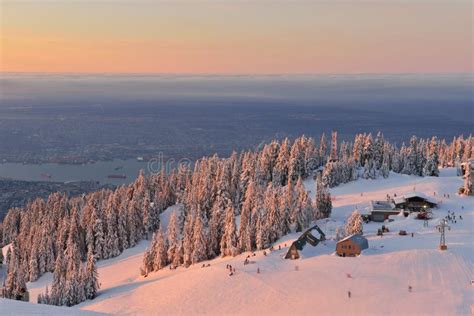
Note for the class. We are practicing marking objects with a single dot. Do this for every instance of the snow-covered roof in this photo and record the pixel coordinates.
(399, 199)
(381, 205)
(409, 195)
(358, 239)
(365, 210)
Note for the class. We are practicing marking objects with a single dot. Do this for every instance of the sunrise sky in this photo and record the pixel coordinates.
(254, 37)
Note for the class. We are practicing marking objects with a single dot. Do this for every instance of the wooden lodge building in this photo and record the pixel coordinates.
(351, 246)
(408, 203)
(415, 202)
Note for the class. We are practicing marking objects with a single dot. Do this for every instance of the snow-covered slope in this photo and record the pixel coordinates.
(15, 308)
(319, 282)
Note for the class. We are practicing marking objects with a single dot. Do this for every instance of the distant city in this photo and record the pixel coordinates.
(188, 116)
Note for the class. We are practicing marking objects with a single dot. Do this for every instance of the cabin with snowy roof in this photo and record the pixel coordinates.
(415, 202)
(381, 210)
(351, 246)
(312, 236)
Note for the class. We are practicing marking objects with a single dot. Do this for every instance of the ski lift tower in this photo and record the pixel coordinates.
(442, 229)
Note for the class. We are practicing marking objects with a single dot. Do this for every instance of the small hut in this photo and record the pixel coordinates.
(352, 245)
(312, 236)
(293, 251)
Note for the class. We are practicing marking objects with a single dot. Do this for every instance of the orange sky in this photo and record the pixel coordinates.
(260, 36)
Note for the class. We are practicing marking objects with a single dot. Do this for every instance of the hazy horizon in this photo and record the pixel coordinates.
(387, 36)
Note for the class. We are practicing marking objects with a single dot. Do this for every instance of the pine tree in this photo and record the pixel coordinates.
(178, 257)
(296, 163)
(148, 221)
(411, 162)
(368, 150)
(262, 232)
(357, 150)
(59, 280)
(34, 266)
(285, 205)
(397, 162)
(323, 198)
(188, 242)
(123, 229)
(112, 240)
(200, 239)
(385, 169)
(328, 175)
(72, 259)
(229, 242)
(369, 170)
(14, 284)
(147, 263)
(299, 216)
(91, 277)
(354, 224)
(160, 249)
(467, 187)
(378, 147)
(280, 171)
(272, 215)
(431, 167)
(98, 232)
(173, 239)
(246, 228)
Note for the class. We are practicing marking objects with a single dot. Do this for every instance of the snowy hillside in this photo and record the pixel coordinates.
(14, 308)
(319, 282)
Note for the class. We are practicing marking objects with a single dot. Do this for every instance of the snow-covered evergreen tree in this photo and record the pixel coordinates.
(229, 242)
(112, 240)
(467, 187)
(369, 169)
(91, 277)
(411, 165)
(174, 240)
(296, 165)
(431, 167)
(323, 198)
(354, 224)
(200, 239)
(246, 230)
(188, 242)
(280, 171)
(300, 216)
(271, 222)
(262, 239)
(160, 250)
(15, 284)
